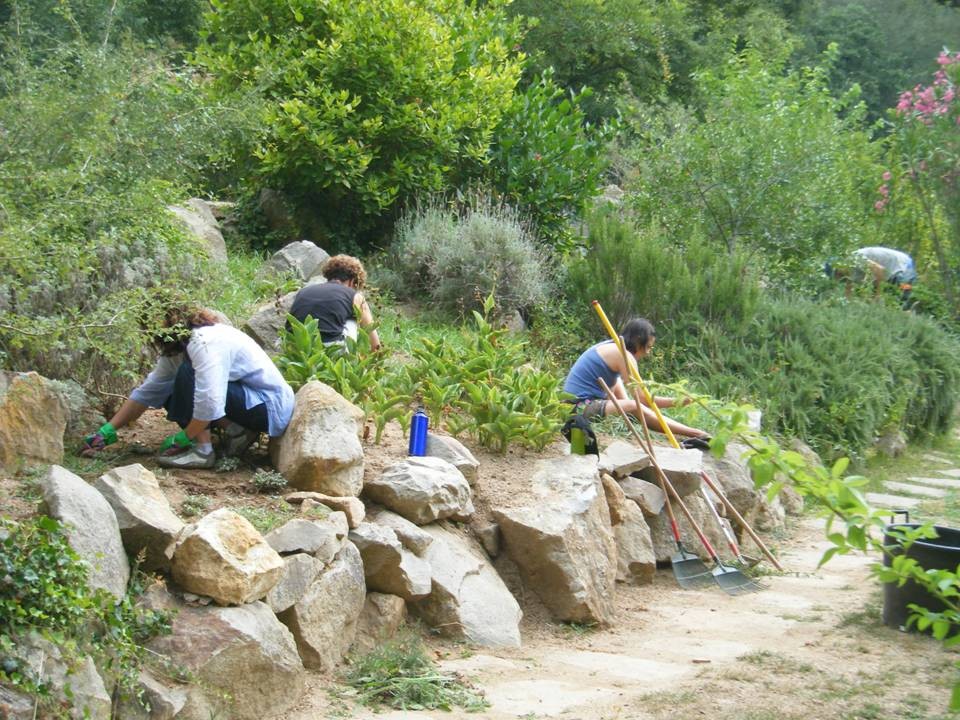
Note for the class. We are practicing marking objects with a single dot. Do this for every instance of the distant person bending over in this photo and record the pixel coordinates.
(889, 265)
(884, 265)
(604, 360)
(337, 304)
(208, 374)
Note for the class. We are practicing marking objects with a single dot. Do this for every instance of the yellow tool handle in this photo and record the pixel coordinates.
(634, 373)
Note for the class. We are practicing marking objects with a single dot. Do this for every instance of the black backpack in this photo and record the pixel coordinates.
(590, 437)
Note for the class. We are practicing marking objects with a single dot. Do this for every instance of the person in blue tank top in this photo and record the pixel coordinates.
(604, 360)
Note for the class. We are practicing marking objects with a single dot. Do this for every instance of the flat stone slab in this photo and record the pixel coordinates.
(952, 472)
(621, 458)
(949, 483)
(892, 501)
(935, 457)
(921, 490)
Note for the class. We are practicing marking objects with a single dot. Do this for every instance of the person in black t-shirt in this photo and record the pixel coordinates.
(337, 305)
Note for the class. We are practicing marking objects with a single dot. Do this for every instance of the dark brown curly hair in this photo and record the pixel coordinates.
(178, 324)
(345, 268)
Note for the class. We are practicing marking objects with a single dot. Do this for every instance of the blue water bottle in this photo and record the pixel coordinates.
(418, 433)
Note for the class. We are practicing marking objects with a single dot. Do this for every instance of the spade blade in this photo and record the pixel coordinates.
(690, 571)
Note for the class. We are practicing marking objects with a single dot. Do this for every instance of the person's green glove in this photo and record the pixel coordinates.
(95, 442)
(180, 440)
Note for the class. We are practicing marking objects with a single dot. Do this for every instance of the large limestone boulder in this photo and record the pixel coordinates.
(469, 600)
(454, 452)
(33, 416)
(224, 557)
(423, 489)
(664, 545)
(324, 620)
(91, 528)
(198, 220)
(380, 619)
(562, 540)
(242, 661)
(636, 562)
(320, 538)
(411, 536)
(268, 320)
(147, 522)
(350, 506)
(389, 567)
(301, 258)
(299, 572)
(321, 450)
(682, 468)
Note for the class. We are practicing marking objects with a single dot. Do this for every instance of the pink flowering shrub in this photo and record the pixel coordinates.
(926, 140)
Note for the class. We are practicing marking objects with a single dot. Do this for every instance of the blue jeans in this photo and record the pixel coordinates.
(179, 405)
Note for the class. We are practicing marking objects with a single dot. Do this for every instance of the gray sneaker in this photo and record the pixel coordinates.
(190, 459)
(235, 439)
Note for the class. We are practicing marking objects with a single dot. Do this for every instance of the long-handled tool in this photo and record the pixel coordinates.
(689, 570)
(635, 375)
(731, 580)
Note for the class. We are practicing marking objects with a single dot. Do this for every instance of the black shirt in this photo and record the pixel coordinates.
(330, 304)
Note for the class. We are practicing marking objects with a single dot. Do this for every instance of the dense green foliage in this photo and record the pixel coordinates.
(772, 169)
(632, 51)
(43, 589)
(884, 46)
(85, 177)
(547, 159)
(368, 102)
(480, 382)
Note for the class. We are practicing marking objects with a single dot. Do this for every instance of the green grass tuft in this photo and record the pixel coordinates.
(400, 674)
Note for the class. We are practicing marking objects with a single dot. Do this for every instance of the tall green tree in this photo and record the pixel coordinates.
(641, 50)
(775, 167)
(368, 102)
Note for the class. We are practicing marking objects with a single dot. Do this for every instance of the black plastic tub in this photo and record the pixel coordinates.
(940, 553)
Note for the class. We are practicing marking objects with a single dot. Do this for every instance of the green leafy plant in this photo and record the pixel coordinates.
(43, 589)
(267, 517)
(194, 505)
(852, 525)
(400, 674)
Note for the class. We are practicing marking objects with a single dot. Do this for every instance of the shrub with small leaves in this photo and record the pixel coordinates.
(269, 482)
(454, 256)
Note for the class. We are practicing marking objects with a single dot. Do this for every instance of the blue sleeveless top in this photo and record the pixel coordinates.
(582, 379)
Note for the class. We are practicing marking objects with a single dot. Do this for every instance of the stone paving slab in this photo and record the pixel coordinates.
(936, 457)
(892, 501)
(952, 472)
(949, 483)
(911, 489)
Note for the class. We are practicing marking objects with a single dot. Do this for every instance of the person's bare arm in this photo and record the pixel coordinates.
(366, 319)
